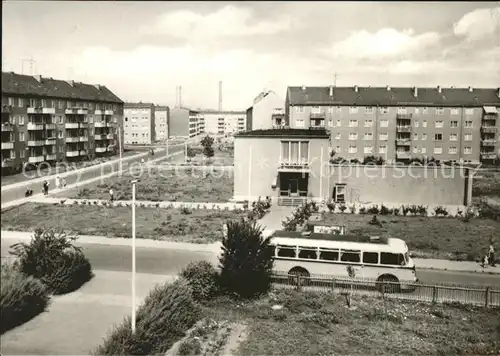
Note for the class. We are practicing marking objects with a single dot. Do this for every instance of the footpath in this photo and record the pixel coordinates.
(422, 263)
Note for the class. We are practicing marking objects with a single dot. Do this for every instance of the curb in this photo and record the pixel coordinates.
(458, 271)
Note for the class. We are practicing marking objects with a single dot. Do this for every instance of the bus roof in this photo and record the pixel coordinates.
(331, 237)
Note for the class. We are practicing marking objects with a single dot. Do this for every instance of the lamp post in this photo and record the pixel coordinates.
(133, 254)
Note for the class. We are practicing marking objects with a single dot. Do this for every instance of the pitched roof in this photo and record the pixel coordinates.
(222, 112)
(313, 133)
(138, 105)
(161, 107)
(18, 84)
(383, 96)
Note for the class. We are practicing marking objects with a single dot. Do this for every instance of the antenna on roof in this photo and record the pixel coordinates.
(335, 79)
(30, 61)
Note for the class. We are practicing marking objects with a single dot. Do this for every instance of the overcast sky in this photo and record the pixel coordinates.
(143, 50)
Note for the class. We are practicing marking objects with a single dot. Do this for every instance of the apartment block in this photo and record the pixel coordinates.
(161, 120)
(224, 122)
(186, 123)
(50, 120)
(139, 123)
(399, 124)
(267, 111)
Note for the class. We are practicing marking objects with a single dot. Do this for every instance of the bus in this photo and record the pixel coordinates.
(385, 261)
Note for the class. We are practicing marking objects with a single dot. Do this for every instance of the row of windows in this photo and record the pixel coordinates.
(60, 104)
(367, 136)
(356, 256)
(416, 149)
(383, 123)
(60, 134)
(20, 119)
(62, 148)
(383, 110)
(136, 134)
(137, 111)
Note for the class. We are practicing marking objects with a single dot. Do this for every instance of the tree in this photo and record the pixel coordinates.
(190, 153)
(246, 261)
(208, 150)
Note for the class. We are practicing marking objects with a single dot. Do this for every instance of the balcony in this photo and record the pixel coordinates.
(76, 111)
(403, 155)
(83, 152)
(99, 137)
(321, 115)
(490, 142)
(84, 139)
(35, 143)
(108, 112)
(51, 157)
(36, 159)
(6, 109)
(7, 127)
(488, 155)
(72, 139)
(7, 145)
(488, 129)
(100, 124)
(72, 125)
(34, 127)
(100, 149)
(50, 126)
(50, 142)
(403, 128)
(98, 112)
(41, 110)
(403, 142)
(293, 166)
(110, 136)
(404, 116)
(72, 153)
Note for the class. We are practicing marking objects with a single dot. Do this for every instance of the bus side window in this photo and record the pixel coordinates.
(350, 256)
(370, 257)
(307, 253)
(392, 259)
(329, 255)
(286, 251)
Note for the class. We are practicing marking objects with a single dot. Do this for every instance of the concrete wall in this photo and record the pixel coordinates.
(179, 122)
(403, 185)
(263, 110)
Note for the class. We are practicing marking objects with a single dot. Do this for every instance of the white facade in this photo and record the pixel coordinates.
(161, 123)
(224, 122)
(266, 110)
(138, 123)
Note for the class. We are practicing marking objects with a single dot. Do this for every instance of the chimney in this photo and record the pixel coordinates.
(38, 78)
(356, 88)
(415, 92)
(331, 91)
(180, 96)
(71, 82)
(439, 88)
(303, 88)
(220, 95)
(470, 89)
(388, 88)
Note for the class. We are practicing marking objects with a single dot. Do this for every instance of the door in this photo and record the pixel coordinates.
(293, 187)
(339, 193)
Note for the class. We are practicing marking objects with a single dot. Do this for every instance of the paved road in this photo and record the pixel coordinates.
(78, 176)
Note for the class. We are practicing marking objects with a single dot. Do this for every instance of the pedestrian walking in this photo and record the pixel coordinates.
(58, 182)
(491, 255)
(485, 261)
(111, 195)
(64, 182)
(142, 161)
(47, 188)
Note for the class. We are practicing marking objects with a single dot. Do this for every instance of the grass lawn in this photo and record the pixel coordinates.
(486, 184)
(160, 184)
(201, 226)
(16, 178)
(431, 237)
(320, 324)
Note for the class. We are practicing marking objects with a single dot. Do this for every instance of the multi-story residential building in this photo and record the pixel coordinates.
(224, 122)
(267, 111)
(162, 117)
(448, 124)
(50, 120)
(139, 123)
(186, 123)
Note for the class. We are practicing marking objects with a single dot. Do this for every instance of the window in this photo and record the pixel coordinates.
(468, 124)
(424, 137)
(424, 123)
(22, 153)
(11, 101)
(353, 149)
(425, 110)
(339, 109)
(53, 104)
(330, 109)
(438, 150)
(60, 104)
(338, 135)
(415, 149)
(44, 103)
(370, 257)
(369, 123)
(438, 137)
(382, 149)
(454, 111)
(329, 254)
(369, 110)
(469, 111)
(300, 123)
(350, 256)
(315, 109)
(61, 134)
(384, 123)
(21, 120)
(287, 251)
(299, 109)
(295, 151)
(308, 253)
(417, 123)
(384, 109)
(330, 123)
(415, 136)
(401, 110)
(353, 123)
(339, 123)
(20, 102)
(383, 136)
(368, 149)
(32, 103)
(353, 110)
(393, 259)
(417, 111)
(453, 137)
(424, 150)
(454, 123)
(368, 136)
(68, 105)
(468, 137)
(452, 150)
(467, 150)
(338, 149)
(353, 136)
(21, 136)
(438, 124)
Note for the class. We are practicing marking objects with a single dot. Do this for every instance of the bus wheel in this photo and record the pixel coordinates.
(295, 273)
(388, 283)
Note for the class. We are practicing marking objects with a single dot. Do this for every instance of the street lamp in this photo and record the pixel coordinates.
(133, 253)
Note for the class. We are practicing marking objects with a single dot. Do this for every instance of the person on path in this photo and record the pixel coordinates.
(111, 195)
(491, 255)
(58, 182)
(63, 182)
(142, 161)
(485, 261)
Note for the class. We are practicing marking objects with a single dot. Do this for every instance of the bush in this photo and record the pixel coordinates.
(331, 206)
(373, 210)
(246, 261)
(202, 278)
(362, 210)
(167, 313)
(21, 297)
(440, 211)
(55, 260)
(300, 216)
(385, 210)
(185, 210)
(488, 211)
(422, 210)
(342, 208)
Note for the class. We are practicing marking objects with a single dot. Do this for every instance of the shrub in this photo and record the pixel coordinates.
(362, 210)
(468, 214)
(352, 209)
(83, 193)
(63, 201)
(422, 210)
(202, 278)
(246, 261)
(373, 209)
(385, 210)
(165, 316)
(405, 209)
(413, 209)
(21, 297)
(396, 211)
(185, 210)
(331, 206)
(342, 208)
(54, 259)
(190, 347)
(300, 216)
(440, 211)
(488, 211)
